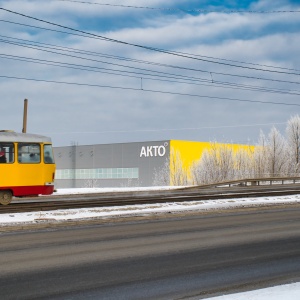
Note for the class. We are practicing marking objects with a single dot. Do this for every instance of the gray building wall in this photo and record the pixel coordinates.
(110, 165)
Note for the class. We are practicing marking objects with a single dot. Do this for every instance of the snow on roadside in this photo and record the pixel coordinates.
(106, 190)
(145, 209)
(287, 291)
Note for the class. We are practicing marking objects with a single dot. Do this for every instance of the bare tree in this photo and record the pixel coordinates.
(204, 170)
(293, 144)
(243, 163)
(172, 172)
(215, 165)
(260, 157)
(273, 156)
(162, 175)
(91, 183)
(225, 161)
(178, 173)
(276, 152)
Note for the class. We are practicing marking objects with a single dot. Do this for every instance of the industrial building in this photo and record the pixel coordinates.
(121, 164)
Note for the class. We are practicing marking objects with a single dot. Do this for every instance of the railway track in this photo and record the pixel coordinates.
(223, 191)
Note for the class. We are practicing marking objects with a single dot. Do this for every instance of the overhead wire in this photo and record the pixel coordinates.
(169, 52)
(143, 76)
(196, 55)
(173, 129)
(183, 10)
(143, 61)
(187, 79)
(150, 91)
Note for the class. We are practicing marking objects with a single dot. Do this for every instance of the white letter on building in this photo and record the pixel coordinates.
(149, 151)
(143, 152)
(155, 150)
(161, 151)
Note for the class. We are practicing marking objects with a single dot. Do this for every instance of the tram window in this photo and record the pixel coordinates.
(29, 153)
(7, 153)
(48, 154)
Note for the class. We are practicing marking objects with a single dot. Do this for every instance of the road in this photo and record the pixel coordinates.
(176, 257)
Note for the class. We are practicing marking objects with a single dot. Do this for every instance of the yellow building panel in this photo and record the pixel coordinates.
(189, 151)
(192, 151)
(184, 153)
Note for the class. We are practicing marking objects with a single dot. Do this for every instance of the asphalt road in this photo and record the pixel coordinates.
(178, 257)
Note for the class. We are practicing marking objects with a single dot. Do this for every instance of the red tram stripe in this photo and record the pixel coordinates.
(20, 191)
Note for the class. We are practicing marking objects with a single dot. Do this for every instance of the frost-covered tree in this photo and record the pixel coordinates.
(172, 172)
(215, 165)
(243, 163)
(204, 171)
(178, 173)
(260, 158)
(91, 183)
(162, 175)
(224, 161)
(273, 156)
(293, 144)
(276, 154)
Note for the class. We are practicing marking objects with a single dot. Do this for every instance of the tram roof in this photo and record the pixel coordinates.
(11, 136)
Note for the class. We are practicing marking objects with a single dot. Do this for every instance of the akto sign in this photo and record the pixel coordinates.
(150, 151)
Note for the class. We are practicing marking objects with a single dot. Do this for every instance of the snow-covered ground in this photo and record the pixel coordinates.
(131, 210)
(289, 291)
(281, 292)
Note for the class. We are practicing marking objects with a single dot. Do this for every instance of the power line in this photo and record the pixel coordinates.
(237, 61)
(151, 91)
(133, 60)
(168, 129)
(144, 47)
(226, 84)
(163, 76)
(186, 79)
(190, 54)
(184, 10)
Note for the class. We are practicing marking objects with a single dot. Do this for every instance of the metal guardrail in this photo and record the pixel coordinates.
(250, 182)
(223, 190)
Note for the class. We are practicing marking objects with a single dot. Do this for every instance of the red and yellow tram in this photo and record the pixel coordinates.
(27, 166)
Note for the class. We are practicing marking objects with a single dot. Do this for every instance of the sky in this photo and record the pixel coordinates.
(99, 72)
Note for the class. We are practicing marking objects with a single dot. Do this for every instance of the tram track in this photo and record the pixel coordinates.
(56, 202)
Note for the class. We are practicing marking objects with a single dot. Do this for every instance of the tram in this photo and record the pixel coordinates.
(27, 166)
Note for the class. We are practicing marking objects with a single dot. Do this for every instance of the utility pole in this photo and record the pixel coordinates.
(25, 116)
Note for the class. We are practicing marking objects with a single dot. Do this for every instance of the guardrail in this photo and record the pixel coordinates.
(251, 182)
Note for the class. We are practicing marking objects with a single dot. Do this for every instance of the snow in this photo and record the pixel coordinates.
(106, 190)
(289, 291)
(136, 210)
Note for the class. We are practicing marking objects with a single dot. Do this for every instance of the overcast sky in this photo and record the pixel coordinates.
(103, 72)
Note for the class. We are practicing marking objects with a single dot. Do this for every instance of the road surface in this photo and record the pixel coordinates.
(176, 257)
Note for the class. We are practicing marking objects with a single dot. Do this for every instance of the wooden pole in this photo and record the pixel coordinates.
(25, 116)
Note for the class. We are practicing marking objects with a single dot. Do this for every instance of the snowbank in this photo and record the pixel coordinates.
(288, 292)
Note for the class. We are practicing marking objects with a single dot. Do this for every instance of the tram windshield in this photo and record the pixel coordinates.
(48, 154)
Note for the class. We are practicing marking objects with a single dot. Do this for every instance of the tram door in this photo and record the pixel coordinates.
(7, 166)
(30, 166)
